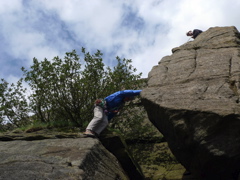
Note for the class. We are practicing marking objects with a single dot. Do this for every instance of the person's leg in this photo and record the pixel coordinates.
(99, 121)
(101, 126)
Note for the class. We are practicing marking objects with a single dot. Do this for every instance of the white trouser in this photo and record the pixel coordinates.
(99, 121)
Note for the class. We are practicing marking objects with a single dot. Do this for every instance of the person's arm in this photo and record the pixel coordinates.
(128, 93)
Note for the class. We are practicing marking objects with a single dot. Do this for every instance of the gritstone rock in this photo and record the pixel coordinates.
(193, 99)
(65, 159)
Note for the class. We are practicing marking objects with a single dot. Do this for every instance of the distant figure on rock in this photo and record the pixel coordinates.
(194, 33)
(106, 109)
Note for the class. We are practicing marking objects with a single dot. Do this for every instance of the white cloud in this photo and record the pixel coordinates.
(10, 6)
(96, 18)
(143, 31)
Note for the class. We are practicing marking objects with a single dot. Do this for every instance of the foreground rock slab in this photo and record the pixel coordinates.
(193, 99)
(65, 159)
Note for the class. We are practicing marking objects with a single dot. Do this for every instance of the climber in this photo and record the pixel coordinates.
(106, 109)
(194, 33)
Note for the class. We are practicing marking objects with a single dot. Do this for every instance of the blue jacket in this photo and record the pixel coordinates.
(115, 100)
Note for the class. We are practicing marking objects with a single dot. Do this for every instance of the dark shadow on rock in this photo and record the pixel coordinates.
(189, 176)
(115, 145)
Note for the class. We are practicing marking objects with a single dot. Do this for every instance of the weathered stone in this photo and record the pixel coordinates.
(68, 158)
(117, 146)
(193, 99)
(37, 135)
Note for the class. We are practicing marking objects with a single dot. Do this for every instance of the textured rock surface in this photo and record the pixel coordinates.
(68, 158)
(193, 99)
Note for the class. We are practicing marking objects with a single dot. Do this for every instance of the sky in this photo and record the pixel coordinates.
(142, 30)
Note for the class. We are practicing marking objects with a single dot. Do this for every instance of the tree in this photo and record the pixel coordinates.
(63, 91)
(13, 104)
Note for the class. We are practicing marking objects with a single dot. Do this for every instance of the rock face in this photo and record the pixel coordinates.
(193, 99)
(65, 159)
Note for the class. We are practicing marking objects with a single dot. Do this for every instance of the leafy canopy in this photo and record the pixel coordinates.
(63, 90)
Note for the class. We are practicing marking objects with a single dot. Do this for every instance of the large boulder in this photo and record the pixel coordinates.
(22, 157)
(193, 99)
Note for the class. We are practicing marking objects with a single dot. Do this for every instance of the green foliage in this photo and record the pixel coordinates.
(155, 159)
(34, 126)
(64, 90)
(58, 90)
(13, 104)
(133, 124)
